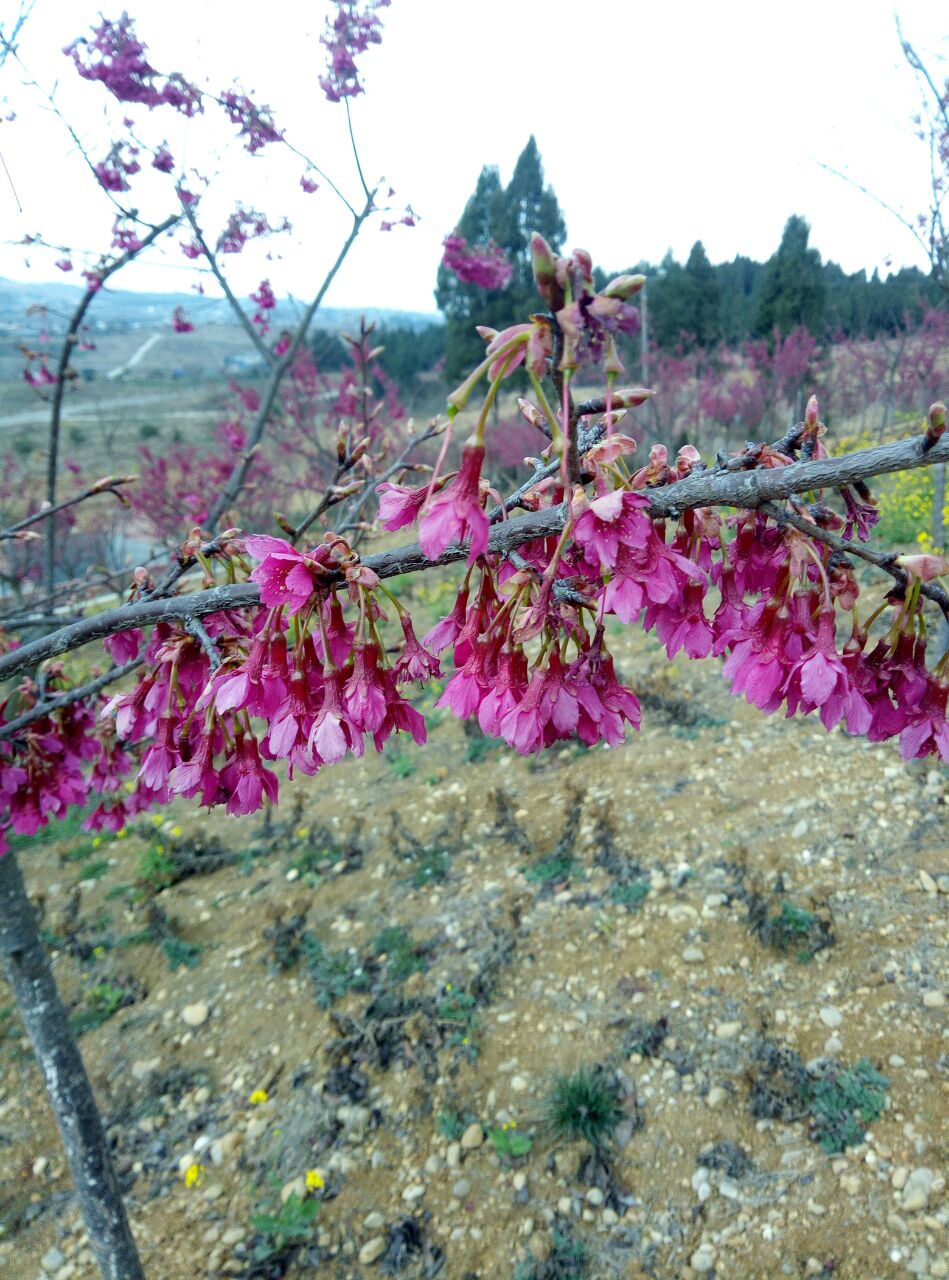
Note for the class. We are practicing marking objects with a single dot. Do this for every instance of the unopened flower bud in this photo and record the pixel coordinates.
(611, 358)
(630, 397)
(811, 416)
(937, 424)
(623, 287)
(283, 523)
(531, 413)
(544, 265)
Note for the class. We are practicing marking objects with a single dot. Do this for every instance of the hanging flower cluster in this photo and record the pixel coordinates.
(485, 266)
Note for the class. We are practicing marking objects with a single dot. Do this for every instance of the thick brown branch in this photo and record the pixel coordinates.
(747, 489)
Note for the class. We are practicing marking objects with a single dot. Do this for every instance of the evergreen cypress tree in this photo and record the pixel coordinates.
(702, 298)
(508, 216)
(792, 290)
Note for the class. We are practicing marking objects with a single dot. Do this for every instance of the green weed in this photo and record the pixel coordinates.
(333, 973)
(584, 1105)
(843, 1103)
(287, 1228)
(630, 895)
(552, 870)
(102, 1001)
(402, 956)
(508, 1142)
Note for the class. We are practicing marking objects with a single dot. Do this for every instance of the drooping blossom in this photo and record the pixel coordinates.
(455, 514)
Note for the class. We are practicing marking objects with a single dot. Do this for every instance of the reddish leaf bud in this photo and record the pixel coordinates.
(623, 287)
(545, 268)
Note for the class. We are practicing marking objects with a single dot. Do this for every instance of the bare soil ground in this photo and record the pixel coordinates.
(739, 921)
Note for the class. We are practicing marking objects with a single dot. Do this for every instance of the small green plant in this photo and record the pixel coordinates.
(478, 745)
(568, 1259)
(156, 868)
(402, 764)
(94, 870)
(631, 894)
(450, 1124)
(551, 870)
(508, 1142)
(429, 867)
(333, 973)
(843, 1103)
(402, 956)
(181, 954)
(102, 1001)
(459, 1010)
(796, 929)
(584, 1105)
(287, 1228)
(79, 852)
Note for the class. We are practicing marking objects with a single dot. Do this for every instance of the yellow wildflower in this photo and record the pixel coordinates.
(193, 1175)
(314, 1180)
(96, 842)
(302, 832)
(121, 833)
(176, 831)
(258, 1096)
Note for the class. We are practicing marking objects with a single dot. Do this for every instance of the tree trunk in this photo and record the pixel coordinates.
(26, 968)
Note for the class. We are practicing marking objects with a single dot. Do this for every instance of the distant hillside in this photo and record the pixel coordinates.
(117, 310)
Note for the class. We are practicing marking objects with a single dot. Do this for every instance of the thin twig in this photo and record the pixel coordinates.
(99, 487)
(236, 479)
(242, 317)
(72, 336)
(47, 707)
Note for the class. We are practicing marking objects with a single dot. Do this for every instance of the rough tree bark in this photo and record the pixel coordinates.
(26, 968)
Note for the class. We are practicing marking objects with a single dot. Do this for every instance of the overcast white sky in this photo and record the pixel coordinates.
(659, 124)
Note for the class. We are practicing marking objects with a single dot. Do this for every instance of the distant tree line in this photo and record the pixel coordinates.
(696, 304)
(693, 305)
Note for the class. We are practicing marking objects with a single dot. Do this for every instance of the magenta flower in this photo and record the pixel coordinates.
(285, 575)
(197, 774)
(332, 734)
(399, 504)
(613, 519)
(414, 662)
(467, 688)
(506, 691)
(929, 731)
(447, 630)
(253, 780)
(123, 646)
(485, 266)
(682, 624)
(456, 515)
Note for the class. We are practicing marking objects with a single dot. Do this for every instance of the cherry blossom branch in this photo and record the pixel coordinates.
(242, 317)
(109, 485)
(885, 560)
(352, 514)
(744, 490)
(279, 370)
(46, 707)
(72, 337)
